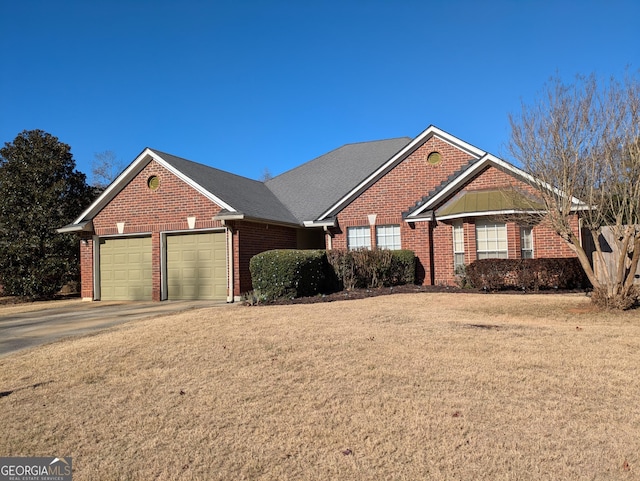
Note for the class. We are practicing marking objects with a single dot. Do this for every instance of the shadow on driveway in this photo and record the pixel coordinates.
(22, 330)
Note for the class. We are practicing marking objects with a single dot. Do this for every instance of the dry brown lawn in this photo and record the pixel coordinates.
(402, 387)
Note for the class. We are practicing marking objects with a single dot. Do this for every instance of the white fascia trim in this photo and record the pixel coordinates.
(189, 181)
(473, 170)
(130, 172)
(223, 217)
(114, 187)
(79, 227)
(456, 142)
(431, 131)
(489, 214)
(129, 234)
(314, 223)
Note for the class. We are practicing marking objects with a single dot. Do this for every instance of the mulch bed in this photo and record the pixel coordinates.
(406, 289)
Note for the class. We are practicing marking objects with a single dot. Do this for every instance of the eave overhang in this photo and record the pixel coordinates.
(85, 226)
(486, 161)
(131, 172)
(320, 223)
(225, 216)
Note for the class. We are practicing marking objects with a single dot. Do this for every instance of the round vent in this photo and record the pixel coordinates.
(434, 158)
(153, 182)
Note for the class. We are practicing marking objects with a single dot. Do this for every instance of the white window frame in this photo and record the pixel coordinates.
(358, 237)
(491, 240)
(458, 245)
(388, 237)
(526, 242)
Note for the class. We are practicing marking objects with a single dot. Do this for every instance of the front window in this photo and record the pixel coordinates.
(491, 240)
(458, 246)
(358, 238)
(388, 237)
(526, 242)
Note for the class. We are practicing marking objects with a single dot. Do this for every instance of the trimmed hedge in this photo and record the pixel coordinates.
(526, 274)
(372, 268)
(289, 273)
(292, 273)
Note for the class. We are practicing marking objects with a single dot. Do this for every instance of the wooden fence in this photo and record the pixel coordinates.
(610, 254)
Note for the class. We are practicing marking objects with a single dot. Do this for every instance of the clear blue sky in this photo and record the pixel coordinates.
(251, 85)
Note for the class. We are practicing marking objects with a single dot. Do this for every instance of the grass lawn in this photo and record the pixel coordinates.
(402, 387)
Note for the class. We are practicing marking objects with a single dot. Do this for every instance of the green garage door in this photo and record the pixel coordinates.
(125, 269)
(197, 266)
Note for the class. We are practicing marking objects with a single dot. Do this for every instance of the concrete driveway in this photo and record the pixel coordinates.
(21, 330)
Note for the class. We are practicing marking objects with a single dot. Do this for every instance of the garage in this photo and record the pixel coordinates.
(196, 266)
(125, 269)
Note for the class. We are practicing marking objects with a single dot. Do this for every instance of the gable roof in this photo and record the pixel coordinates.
(422, 209)
(313, 187)
(313, 193)
(395, 159)
(233, 193)
(240, 194)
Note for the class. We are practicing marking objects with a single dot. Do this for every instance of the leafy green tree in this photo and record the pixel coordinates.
(40, 190)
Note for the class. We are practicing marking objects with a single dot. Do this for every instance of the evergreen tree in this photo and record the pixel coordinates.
(40, 191)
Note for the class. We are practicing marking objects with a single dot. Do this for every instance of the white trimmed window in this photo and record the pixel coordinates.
(491, 240)
(526, 242)
(358, 238)
(458, 246)
(388, 237)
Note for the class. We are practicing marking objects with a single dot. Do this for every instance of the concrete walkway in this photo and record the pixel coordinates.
(21, 330)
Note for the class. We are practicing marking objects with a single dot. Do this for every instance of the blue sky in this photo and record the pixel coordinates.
(246, 86)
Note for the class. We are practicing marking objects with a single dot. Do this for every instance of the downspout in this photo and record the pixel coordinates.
(432, 259)
(230, 270)
(328, 238)
(96, 269)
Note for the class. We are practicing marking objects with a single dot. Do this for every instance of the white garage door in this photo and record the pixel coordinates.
(197, 266)
(125, 269)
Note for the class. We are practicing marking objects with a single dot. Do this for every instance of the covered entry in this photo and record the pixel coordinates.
(196, 266)
(125, 269)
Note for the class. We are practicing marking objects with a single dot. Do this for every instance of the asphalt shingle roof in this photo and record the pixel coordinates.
(312, 188)
(247, 196)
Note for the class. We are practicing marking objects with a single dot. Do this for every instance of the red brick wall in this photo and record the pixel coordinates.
(546, 243)
(86, 265)
(409, 182)
(404, 185)
(251, 238)
(398, 191)
(147, 211)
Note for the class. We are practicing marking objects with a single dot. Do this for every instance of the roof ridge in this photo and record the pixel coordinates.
(161, 153)
(326, 154)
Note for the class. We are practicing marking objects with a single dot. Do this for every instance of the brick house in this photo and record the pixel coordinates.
(169, 228)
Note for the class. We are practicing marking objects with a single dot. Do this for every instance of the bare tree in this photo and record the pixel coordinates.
(581, 142)
(105, 168)
(266, 175)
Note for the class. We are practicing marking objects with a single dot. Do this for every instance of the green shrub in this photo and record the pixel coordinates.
(372, 268)
(526, 274)
(288, 273)
(403, 267)
(296, 273)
